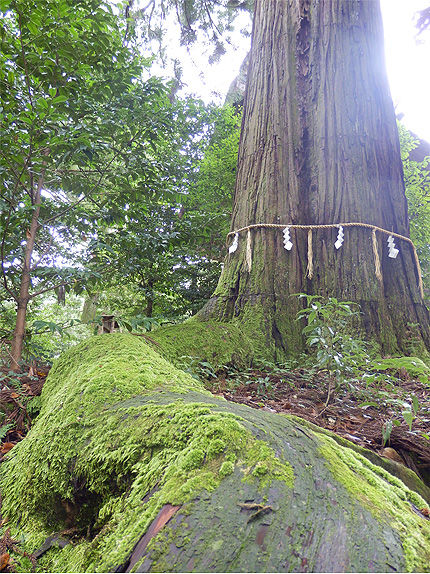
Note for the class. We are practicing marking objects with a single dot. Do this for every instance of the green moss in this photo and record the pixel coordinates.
(264, 464)
(255, 321)
(219, 344)
(406, 475)
(103, 444)
(385, 496)
(414, 366)
(216, 447)
(226, 468)
(193, 459)
(260, 469)
(116, 441)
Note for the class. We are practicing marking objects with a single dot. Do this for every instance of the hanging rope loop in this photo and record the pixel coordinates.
(378, 271)
(310, 267)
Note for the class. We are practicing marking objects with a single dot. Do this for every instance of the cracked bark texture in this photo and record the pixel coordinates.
(319, 145)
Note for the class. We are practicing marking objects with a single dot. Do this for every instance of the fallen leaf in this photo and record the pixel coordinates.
(6, 447)
(389, 452)
(4, 561)
(425, 511)
(14, 395)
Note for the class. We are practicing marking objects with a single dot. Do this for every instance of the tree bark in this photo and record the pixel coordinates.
(319, 145)
(24, 290)
(132, 466)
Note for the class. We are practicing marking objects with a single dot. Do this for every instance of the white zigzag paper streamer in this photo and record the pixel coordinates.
(234, 245)
(287, 243)
(392, 251)
(339, 239)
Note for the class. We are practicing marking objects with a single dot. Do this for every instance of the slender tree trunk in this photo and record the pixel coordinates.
(150, 297)
(319, 145)
(24, 290)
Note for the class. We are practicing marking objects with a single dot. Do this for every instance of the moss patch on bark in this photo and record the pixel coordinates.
(220, 344)
(123, 435)
(102, 443)
(385, 496)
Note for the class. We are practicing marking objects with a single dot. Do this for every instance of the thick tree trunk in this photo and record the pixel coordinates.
(319, 145)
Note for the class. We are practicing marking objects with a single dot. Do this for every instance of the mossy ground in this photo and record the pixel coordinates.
(122, 433)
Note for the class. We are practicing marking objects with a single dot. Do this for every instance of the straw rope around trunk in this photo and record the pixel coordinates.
(374, 228)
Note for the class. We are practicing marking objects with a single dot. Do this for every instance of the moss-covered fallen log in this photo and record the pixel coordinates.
(133, 466)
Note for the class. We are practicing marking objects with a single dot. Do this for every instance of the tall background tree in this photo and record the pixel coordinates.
(80, 129)
(319, 145)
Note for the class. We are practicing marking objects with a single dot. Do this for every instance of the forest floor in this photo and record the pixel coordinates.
(389, 415)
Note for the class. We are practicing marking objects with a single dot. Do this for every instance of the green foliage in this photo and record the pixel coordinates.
(4, 429)
(409, 413)
(52, 328)
(413, 366)
(165, 258)
(196, 19)
(329, 332)
(417, 182)
(79, 134)
(200, 370)
(216, 179)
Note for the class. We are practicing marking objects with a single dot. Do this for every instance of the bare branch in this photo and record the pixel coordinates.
(46, 250)
(33, 295)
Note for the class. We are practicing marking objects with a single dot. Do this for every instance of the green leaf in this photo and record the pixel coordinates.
(369, 404)
(387, 427)
(5, 429)
(409, 417)
(415, 404)
(60, 99)
(127, 325)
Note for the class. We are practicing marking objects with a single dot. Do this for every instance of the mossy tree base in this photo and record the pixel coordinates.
(154, 473)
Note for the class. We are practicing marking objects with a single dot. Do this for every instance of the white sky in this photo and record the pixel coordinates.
(408, 63)
(407, 57)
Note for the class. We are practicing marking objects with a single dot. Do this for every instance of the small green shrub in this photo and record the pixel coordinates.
(329, 334)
